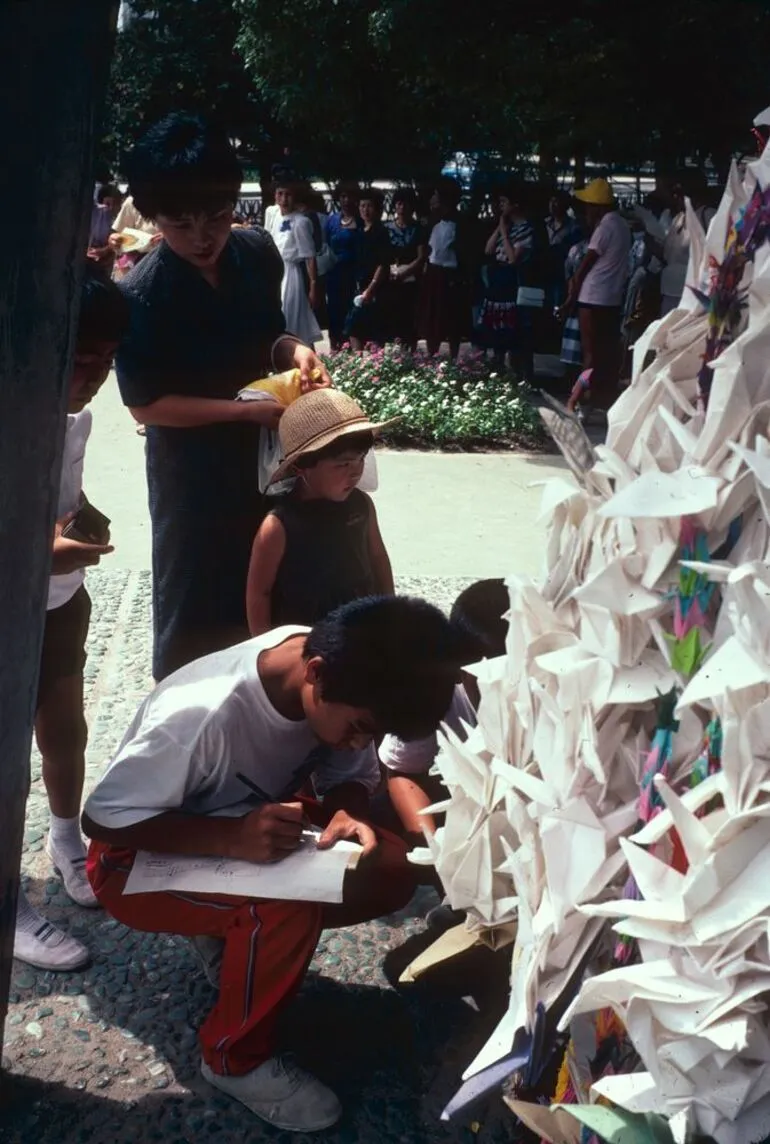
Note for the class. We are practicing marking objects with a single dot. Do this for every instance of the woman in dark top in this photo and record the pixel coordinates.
(342, 230)
(206, 319)
(365, 320)
(408, 255)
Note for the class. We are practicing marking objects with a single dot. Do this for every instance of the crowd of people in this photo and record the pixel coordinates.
(293, 687)
(572, 269)
(567, 270)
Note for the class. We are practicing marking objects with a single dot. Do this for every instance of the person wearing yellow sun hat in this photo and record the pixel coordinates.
(597, 291)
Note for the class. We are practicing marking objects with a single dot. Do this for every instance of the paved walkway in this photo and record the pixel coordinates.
(446, 515)
(110, 1054)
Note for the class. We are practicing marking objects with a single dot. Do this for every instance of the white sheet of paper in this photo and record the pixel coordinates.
(307, 875)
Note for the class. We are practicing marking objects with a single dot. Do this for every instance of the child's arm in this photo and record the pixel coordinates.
(408, 797)
(266, 556)
(264, 835)
(378, 554)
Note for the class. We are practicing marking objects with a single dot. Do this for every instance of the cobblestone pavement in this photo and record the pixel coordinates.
(110, 1054)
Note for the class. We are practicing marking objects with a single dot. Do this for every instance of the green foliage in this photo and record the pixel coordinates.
(177, 55)
(390, 88)
(623, 85)
(440, 403)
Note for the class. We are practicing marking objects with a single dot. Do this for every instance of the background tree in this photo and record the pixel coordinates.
(391, 88)
(179, 55)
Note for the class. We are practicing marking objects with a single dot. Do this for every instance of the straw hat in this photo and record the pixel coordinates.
(316, 419)
(598, 193)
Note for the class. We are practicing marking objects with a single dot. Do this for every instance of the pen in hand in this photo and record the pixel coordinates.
(308, 830)
(253, 787)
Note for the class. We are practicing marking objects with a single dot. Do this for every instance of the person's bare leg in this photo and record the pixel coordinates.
(61, 733)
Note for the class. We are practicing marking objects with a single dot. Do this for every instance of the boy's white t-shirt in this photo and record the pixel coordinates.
(61, 589)
(202, 725)
(417, 757)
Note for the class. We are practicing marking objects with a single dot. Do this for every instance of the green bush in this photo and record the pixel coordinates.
(441, 403)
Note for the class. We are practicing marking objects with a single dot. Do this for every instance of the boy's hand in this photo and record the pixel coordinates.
(343, 826)
(270, 832)
(70, 555)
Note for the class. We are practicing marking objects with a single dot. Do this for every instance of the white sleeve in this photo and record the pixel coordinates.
(600, 239)
(412, 758)
(126, 216)
(303, 237)
(348, 767)
(418, 756)
(153, 772)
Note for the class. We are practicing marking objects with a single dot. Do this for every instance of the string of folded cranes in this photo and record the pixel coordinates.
(611, 809)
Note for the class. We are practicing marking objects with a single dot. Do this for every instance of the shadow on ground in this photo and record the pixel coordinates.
(128, 1025)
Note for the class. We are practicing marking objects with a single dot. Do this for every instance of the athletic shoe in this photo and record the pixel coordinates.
(281, 1093)
(72, 872)
(49, 948)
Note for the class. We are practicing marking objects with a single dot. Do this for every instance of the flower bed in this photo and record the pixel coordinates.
(442, 404)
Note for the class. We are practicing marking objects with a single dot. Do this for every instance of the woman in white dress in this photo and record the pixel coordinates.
(292, 233)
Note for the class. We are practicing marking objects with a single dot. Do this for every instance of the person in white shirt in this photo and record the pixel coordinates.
(60, 726)
(292, 233)
(444, 303)
(598, 289)
(213, 764)
(479, 614)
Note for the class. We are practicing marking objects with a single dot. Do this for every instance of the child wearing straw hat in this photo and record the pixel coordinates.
(320, 546)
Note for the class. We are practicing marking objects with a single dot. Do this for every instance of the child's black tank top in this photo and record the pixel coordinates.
(326, 561)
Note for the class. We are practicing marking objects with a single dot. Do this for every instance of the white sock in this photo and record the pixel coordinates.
(28, 920)
(65, 837)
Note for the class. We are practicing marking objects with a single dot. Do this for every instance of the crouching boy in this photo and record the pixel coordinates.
(292, 705)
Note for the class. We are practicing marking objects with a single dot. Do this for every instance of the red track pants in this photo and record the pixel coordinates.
(268, 944)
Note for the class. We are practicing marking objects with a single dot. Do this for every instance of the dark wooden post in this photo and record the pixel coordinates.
(54, 64)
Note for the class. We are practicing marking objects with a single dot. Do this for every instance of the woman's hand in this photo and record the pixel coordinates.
(312, 371)
(343, 826)
(312, 295)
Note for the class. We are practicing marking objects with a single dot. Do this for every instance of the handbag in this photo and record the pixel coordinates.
(530, 296)
(325, 260)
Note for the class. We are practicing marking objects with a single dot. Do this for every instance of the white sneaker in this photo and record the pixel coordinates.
(209, 952)
(72, 872)
(49, 948)
(281, 1093)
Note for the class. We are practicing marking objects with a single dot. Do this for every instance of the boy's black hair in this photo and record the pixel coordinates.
(397, 657)
(104, 311)
(183, 165)
(362, 442)
(478, 613)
